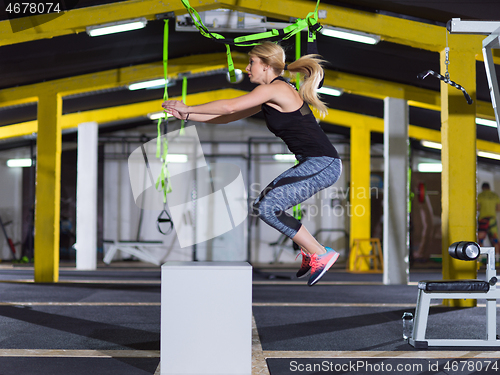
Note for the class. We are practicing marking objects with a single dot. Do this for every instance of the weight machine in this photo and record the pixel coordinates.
(459, 289)
(463, 250)
(492, 29)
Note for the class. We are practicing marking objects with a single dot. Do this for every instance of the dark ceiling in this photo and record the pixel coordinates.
(71, 55)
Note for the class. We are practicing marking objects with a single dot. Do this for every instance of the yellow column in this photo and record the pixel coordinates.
(48, 188)
(458, 180)
(359, 210)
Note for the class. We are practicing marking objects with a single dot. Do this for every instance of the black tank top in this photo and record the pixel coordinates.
(299, 130)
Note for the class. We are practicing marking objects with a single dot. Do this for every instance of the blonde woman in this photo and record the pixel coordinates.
(288, 116)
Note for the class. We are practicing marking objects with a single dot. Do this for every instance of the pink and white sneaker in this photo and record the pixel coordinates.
(305, 267)
(320, 264)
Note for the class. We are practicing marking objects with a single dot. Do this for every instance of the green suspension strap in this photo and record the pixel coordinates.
(411, 194)
(164, 177)
(184, 95)
(297, 212)
(310, 22)
(297, 56)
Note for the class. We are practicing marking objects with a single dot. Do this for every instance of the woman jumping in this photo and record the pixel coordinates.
(289, 117)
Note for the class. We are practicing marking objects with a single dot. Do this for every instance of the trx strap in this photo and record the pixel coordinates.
(164, 217)
(310, 22)
(184, 95)
(163, 180)
(297, 56)
(297, 212)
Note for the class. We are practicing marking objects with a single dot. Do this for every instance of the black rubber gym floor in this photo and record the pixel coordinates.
(101, 322)
(108, 322)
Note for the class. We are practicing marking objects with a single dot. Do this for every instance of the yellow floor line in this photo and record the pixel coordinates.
(332, 304)
(157, 282)
(345, 304)
(426, 354)
(80, 304)
(79, 353)
(266, 282)
(78, 281)
(255, 304)
(259, 364)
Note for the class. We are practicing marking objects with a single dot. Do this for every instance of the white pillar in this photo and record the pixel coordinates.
(86, 197)
(396, 238)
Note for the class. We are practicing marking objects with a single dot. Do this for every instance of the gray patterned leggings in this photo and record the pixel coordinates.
(292, 187)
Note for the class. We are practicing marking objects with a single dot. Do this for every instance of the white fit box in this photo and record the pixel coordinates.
(206, 318)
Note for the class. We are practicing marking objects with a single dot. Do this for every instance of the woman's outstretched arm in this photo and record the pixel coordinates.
(215, 119)
(261, 94)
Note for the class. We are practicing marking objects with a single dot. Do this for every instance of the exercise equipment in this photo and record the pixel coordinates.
(7, 238)
(459, 289)
(310, 22)
(422, 192)
(373, 255)
(446, 77)
(492, 29)
(163, 180)
(138, 249)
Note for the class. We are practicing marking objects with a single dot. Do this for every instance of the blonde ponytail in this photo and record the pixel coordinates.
(272, 54)
(310, 67)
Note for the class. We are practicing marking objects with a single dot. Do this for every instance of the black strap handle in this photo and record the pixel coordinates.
(445, 80)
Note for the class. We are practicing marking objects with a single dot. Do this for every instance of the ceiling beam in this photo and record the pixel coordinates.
(115, 78)
(141, 110)
(392, 29)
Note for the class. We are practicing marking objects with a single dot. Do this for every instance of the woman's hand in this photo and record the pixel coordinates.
(176, 108)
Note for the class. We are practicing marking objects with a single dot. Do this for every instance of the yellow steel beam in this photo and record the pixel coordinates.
(76, 20)
(124, 112)
(18, 130)
(392, 29)
(417, 132)
(359, 209)
(120, 77)
(380, 89)
(48, 188)
(416, 34)
(354, 84)
(141, 109)
(348, 119)
(458, 156)
(118, 113)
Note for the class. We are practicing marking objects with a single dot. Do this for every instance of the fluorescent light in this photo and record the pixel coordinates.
(485, 122)
(430, 167)
(354, 36)
(436, 145)
(430, 144)
(157, 115)
(488, 155)
(284, 157)
(155, 83)
(15, 163)
(117, 27)
(330, 91)
(177, 158)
